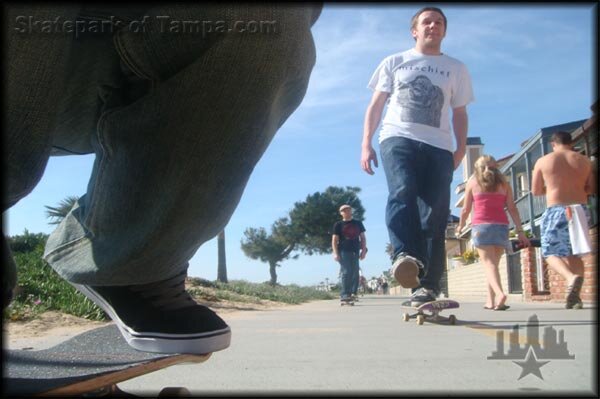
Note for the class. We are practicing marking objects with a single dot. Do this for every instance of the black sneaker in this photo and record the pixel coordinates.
(578, 304)
(161, 317)
(421, 296)
(573, 299)
(405, 270)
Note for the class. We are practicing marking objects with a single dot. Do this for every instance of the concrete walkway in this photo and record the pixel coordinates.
(321, 348)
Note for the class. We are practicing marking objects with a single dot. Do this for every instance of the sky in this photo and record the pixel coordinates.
(531, 65)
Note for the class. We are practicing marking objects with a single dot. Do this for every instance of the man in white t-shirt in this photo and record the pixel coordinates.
(420, 86)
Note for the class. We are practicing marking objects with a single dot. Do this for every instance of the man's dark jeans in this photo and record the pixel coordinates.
(419, 178)
(177, 122)
(348, 271)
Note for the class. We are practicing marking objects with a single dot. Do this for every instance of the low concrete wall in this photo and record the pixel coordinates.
(469, 282)
(399, 291)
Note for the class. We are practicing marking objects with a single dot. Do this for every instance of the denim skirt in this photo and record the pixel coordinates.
(490, 234)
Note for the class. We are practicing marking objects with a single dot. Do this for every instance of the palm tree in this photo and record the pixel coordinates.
(222, 261)
(59, 212)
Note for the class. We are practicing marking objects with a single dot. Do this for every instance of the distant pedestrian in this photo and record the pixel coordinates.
(566, 178)
(379, 286)
(362, 283)
(356, 284)
(487, 193)
(349, 244)
(385, 287)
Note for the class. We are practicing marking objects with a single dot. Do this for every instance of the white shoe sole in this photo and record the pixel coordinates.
(406, 273)
(200, 343)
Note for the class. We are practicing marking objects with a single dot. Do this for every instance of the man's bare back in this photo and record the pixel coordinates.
(564, 176)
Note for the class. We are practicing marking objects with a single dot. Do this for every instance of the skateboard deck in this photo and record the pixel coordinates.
(91, 363)
(430, 311)
(346, 303)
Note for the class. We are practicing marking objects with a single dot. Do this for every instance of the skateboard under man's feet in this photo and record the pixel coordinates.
(346, 302)
(89, 364)
(430, 311)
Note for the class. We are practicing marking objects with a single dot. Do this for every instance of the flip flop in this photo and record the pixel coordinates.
(485, 307)
(503, 307)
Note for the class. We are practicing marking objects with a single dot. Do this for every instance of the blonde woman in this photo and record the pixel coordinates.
(487, 193)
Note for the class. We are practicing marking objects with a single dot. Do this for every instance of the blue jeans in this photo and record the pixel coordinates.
(490, 234)
(348, 271)
(177, 123)
(419, 178)
(355, 278)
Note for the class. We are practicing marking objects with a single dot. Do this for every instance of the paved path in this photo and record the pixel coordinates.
(322, 348)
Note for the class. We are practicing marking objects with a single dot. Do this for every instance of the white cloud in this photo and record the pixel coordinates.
(348, 50)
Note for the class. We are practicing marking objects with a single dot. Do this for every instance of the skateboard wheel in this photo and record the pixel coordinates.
(452, 319)
(406, 317)
(175, 391)
(420, 319)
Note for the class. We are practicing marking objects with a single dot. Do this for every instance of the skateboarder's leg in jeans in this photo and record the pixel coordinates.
(355, 277)
(348, 267)
(177, 123)
(419, 178)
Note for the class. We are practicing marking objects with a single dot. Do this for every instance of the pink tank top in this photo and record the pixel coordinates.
(489, 208)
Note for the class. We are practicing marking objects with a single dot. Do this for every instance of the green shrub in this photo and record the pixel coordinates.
(27, 242)
(40, 288)
(240, 289)
(470, 255)
(513, 234)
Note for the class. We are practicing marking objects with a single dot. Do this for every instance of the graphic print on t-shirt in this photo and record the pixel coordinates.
(350, 231)
(420, 101)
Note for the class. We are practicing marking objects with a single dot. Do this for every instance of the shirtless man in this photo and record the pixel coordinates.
(566, 178)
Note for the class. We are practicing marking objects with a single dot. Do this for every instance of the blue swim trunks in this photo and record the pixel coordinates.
(555, 232)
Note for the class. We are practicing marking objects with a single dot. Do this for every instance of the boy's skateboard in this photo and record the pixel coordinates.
(430, 311)
(89, 364)
(347, 303)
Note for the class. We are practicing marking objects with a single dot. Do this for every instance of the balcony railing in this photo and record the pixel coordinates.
(539, 206)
